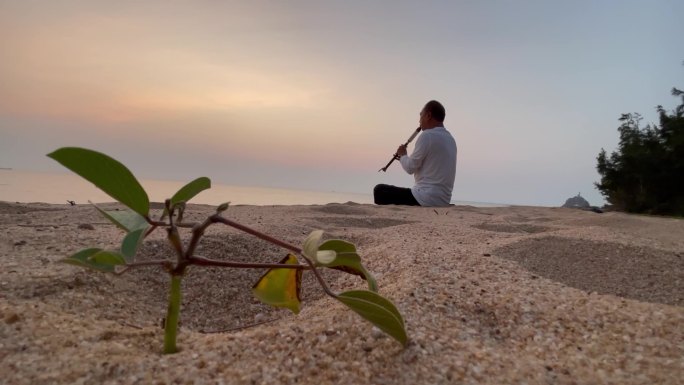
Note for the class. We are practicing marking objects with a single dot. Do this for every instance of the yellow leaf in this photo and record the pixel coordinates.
(281, 287)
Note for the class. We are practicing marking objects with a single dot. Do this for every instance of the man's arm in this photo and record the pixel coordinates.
(412, 163)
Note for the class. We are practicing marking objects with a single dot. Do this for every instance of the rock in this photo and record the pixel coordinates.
(377, 333)
(86, 226)
(576, 202)
(11, 318)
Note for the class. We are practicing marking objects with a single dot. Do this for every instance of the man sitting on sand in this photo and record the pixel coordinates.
(432, 163)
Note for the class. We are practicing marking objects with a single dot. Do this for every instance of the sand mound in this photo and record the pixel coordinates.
(640, 273)
(489, 295)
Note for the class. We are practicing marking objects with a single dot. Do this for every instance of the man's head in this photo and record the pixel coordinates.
(432, 115)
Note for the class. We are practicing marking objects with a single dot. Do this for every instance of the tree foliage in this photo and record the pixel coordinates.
(646, 173)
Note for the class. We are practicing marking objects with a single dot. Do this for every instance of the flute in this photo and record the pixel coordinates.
(395, 156)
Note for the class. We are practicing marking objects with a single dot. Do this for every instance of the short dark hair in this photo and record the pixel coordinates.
(436, 110)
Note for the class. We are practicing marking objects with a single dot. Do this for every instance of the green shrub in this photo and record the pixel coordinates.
(281, 284)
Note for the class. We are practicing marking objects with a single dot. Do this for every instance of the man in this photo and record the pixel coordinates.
(432, 163)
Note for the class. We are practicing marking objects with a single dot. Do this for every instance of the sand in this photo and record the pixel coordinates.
(523, 295)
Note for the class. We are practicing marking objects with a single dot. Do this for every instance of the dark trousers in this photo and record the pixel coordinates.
(385, 194)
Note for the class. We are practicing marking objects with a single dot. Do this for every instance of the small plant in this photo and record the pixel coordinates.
(280, 286)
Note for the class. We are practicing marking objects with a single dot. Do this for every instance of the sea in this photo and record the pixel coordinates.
(32, 186)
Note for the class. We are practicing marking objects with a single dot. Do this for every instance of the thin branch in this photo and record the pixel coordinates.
(268, 238)
(181, 210)
(212, 262)
(157, 262)
(218, 218)
(155, 223)
(197, 233)
(239, 327)
(320, 279)
(174, 239)
(166, 264)
(167, 204)
(187, 225)
(149, 230)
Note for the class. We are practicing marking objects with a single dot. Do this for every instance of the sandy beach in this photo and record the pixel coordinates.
(520, 295)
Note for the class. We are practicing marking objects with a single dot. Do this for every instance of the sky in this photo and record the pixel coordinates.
(317, 95)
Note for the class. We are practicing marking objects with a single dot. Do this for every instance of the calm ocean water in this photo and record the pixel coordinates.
(30, 186)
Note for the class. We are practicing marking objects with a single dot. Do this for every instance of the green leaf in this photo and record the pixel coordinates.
(84, 254)
(127, 220)
(222, 207)
(378, 310)
(310, 247)
(347, 260)
(83, 259)
(131, 242)
(191, 189)
(188, 192)
(105, 257)
(106, 173)
(281, 287)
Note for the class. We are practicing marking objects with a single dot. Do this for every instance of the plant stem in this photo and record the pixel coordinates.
(174, 239)
(161, 262)
(320, 279)
(212, 262)
(268, 238)
(197, 232)
(150, 230)
(248, 230)
(172, 315)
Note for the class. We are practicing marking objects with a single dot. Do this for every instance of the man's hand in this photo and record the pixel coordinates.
(401, 151)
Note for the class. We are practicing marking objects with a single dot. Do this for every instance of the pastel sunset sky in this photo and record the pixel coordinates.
(318, 94)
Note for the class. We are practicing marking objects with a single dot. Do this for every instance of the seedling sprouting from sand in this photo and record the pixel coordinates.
(281, 284)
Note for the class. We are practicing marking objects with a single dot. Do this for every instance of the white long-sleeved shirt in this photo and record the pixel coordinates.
(433, 165)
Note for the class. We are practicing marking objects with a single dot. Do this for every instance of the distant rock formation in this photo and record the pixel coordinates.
(577, 202)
